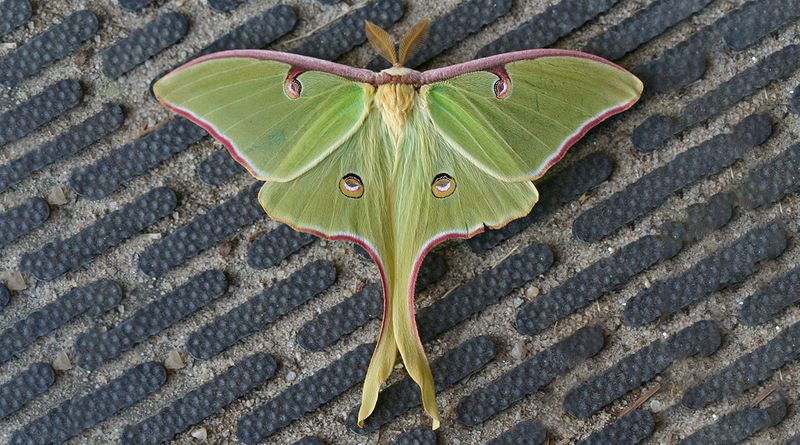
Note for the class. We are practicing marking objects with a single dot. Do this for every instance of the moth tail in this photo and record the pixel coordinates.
(381, 364)
(412, 352)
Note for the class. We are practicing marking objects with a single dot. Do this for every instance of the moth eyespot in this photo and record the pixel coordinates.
(501, 88)
(443, 185)
(351, 186)
(293, 87)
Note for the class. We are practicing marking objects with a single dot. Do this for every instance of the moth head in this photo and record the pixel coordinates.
(409, 45)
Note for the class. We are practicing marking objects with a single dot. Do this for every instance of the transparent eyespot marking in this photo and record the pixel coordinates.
(443, 185)
(351, 186)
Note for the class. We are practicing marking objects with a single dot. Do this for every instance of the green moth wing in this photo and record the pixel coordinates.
(398, 219)
(249, 103)
(545, 104)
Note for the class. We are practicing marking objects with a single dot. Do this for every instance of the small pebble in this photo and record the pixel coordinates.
(174, 360)
(225, 249)
(62, 362)
(656, 406)
(518, 350)
(56, 196)
(291, 376)
(14, 280)
(517, 302)
(532, 292)
(82, 57)
(200, 433)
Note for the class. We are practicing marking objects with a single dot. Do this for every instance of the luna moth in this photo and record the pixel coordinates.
(398, 160)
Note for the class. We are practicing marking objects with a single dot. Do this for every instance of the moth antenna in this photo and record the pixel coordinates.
(381, 41)
(413, 40)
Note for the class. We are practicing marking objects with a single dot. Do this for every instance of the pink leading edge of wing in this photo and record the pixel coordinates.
(499, 60)
(415, 77)
(302, 62)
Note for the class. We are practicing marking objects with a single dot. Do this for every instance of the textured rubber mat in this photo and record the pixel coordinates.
(144, 43)
(39, 110)
(75, 415)
(527, 432)
(652, 189)
(453, 366)
(641, 366)
(361, 307)
(48, 48)
(95, 298)
(67, 144)
(629, 430)
(737, 426)
(304, 396)
(4, 297)
(62, 255)
(105, 176)
(14, 14)
(24, 387)
(417, 436)
(650, 297)
(18, 221)
(208, 399)
(262, 309)
(92, 349)
(529, 377)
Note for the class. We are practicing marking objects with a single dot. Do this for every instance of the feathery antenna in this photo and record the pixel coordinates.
(413, 40)
(381, 41)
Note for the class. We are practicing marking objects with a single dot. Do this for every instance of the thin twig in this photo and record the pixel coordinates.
(454, 287)
(764, 394)
(640, 401)
(506, 256)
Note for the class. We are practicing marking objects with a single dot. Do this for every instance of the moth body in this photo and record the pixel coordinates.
(396, 102)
